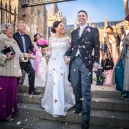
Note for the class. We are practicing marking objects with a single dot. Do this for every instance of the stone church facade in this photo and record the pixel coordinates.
(55, 14)
(34, 17)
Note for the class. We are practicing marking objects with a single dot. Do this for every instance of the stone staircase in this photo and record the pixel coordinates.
(108, 111)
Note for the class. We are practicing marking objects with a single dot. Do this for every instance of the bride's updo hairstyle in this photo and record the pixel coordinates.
(55, 24)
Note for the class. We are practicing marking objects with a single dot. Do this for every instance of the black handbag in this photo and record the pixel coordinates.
(7, 50)
(109, 63)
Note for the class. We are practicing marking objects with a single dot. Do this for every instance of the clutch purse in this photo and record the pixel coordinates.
(7, 50)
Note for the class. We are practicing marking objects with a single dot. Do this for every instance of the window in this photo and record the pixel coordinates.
(38, 13)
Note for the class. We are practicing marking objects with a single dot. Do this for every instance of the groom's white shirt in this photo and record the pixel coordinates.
(80, 33)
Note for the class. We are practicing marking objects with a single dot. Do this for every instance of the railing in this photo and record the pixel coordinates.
(6, 13)
(30, 3)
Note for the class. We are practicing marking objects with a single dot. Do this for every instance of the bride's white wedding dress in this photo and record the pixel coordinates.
(58, 94)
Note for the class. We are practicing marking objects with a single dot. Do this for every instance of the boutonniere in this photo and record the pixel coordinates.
(88, 30)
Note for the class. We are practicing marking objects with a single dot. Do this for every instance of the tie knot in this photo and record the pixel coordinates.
(22, 35)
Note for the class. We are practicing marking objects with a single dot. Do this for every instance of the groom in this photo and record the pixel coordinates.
(81, 63)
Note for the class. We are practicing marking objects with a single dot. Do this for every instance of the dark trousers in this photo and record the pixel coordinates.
(99, 75)
(81, 83)
(27, 67)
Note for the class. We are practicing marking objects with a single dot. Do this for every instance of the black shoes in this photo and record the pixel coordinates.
(99, 83)
(77, 110)
(85, 125)
(34, 93)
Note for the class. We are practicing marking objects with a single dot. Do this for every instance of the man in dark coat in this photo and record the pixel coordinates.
(25, 45)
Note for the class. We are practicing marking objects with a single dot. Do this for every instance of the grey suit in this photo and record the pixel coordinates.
(81, 83)
(80, 67)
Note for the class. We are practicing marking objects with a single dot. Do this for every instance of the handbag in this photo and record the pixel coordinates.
(8, 50)
(109, 64)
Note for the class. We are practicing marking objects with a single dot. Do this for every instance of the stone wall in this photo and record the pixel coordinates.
(35, 19)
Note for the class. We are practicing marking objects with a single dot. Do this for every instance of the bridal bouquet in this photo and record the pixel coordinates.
(43, 44)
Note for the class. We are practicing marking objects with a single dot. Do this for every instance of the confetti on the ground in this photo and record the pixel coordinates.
(18, 123)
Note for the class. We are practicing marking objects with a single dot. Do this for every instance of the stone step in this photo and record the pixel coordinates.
(97, 91)
(34, 123)
(98, 117)
(97, 103)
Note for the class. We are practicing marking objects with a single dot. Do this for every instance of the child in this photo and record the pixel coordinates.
(99, 72)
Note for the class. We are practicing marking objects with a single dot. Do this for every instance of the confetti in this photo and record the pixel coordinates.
(12, 109)
(81, 98)
(31, 96)
(4, 106)
(18, 123)
(56, 101)
(53, 83)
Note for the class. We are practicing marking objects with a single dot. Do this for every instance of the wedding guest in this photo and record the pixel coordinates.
(9, 73)
(100, 70)
(112, 43)
(39, 64)
(122, 68)
(25, 45)
(122, 36)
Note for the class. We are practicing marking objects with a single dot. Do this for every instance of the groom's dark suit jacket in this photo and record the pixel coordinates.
(29, 45)
(88, 42)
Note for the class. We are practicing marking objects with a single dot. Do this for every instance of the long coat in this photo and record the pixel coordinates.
(126, 65)
(88, 42)
(123, 83)
(10, 68)
(107, 47)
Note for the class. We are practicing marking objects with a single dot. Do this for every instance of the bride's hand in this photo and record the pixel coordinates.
(67, 60)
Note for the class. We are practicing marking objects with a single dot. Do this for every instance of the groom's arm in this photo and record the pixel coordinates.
(69, 51)
(96, 45)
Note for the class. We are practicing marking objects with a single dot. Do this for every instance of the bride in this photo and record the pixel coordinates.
(58, 95)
